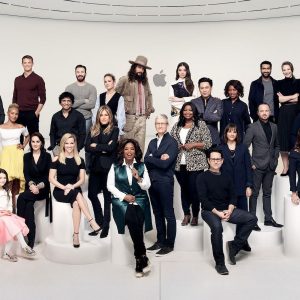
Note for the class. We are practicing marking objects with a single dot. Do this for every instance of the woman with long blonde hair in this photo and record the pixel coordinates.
(67, 174)
(11, 157)
(102, 142)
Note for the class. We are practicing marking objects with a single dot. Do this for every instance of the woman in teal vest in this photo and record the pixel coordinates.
(128, 181)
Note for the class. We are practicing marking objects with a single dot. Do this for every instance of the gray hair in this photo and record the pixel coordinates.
(162, 116)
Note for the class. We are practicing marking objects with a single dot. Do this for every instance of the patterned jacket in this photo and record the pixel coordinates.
(195, 158)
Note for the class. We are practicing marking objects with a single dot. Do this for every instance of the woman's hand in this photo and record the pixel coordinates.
(129, 198)
(93, 145)
(5, 213)
(135, 174)
(34, 189)
(20, 146)
(189, 146)
(70, 186)
(248, 192)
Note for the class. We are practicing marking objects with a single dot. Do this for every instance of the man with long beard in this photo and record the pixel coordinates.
(85, 95)
(138, 100)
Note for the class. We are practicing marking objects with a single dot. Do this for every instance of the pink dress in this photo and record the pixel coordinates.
(10, 226)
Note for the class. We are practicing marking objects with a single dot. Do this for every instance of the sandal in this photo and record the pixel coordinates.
(12, 258)
(94, 232)
(76, 243)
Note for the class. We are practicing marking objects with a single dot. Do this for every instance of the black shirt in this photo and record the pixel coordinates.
(73, 123)
(215, 191)
(267, 129)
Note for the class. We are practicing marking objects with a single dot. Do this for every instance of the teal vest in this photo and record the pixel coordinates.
(141, 197)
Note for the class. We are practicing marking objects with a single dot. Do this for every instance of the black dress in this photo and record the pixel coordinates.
(67, 174)
(287, 112)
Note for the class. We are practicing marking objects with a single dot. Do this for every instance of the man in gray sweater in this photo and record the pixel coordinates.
(85, 99)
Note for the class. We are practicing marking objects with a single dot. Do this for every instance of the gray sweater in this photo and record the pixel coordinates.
(85, 98)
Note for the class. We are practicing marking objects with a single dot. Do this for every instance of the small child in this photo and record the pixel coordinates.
(12, 227)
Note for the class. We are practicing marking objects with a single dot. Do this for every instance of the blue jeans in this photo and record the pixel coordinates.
(243, 219)
(161, 197)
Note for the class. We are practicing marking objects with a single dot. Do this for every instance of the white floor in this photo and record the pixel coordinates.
(179, 275)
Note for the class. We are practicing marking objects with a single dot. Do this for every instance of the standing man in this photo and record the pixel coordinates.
(210, 109)
(136, 91)
(85, 95)
(264, 90)
(262, 134)
(160, 160)
(30, 95)
(2, 113)
(218, 200)
(67, 120)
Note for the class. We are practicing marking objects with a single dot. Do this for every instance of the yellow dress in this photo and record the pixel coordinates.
(11, 158)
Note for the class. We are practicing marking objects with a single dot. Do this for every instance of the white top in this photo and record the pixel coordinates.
(176, 103)
(144, 185)
(5, 201)
(183, 134)
(120, 116)
(11, 136)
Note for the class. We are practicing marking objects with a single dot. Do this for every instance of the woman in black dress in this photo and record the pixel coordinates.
(102, 142)
(288, 94)
(36, 172)
(67, 174)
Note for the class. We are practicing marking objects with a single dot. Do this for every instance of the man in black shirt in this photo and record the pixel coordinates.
(217, 196)
(67, 120)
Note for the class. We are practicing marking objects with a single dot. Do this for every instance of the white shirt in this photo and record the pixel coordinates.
(11, 136)
(183, 134)
(144, 185)
(5, 201)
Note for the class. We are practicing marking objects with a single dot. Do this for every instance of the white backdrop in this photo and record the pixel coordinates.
(222, 51)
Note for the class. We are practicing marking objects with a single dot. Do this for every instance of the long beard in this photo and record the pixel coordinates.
(139, 78)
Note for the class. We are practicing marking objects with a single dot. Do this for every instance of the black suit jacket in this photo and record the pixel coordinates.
(104, 154)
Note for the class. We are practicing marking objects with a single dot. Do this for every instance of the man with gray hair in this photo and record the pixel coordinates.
(160, 160)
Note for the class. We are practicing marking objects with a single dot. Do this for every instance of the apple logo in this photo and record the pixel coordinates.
(159, 79)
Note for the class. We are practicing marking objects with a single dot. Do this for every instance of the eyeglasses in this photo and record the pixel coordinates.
(216, 159)
(160, 124)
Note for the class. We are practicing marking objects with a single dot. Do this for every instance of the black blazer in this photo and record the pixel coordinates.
(240, 170)
(39, 172)
(105, 153)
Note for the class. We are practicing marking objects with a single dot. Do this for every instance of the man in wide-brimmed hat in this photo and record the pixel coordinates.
(138, 99)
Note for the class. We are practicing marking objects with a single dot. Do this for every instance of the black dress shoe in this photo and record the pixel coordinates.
(246, 247)
(273, 223)
(231, 253)
(156, 246)
(256, 228)
(104, 233)
(222, 270)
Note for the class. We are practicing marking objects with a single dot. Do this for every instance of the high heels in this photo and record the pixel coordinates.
(186, 220)
(94, 232)
(76, 243)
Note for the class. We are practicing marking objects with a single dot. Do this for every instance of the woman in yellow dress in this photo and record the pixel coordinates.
(11, 157)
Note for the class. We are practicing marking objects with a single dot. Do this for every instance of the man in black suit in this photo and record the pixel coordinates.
(262, 134)
(160, 160)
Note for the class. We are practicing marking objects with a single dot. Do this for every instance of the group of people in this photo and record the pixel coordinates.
(206, 149)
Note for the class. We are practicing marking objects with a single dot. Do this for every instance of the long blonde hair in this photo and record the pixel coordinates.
(61, 154)
(96, 128)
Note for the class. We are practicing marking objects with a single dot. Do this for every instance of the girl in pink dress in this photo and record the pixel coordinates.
(12, 227)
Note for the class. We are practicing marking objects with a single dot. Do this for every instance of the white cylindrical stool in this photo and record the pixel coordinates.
(43, 225)
(282, 187)
(291, 231)
(228, 235)
(189, 238)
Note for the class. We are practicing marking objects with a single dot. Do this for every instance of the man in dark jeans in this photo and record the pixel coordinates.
(216, 193)
(160, 160)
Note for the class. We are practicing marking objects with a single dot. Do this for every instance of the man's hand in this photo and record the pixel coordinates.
(164, 156)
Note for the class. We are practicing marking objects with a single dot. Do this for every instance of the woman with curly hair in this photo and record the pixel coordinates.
(128, 181)
(235, 111)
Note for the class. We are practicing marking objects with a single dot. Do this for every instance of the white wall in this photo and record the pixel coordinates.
(222, 51)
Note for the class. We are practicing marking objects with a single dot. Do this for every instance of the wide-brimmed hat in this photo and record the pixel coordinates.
(142, 61)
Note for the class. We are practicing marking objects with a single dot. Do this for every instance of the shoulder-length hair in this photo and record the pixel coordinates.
(40, 137)
(188, 78)
(96, 128)
(138, 152)
(132, 74)
(61, 154)
(6, 185)
(237, 85)
(230, 127)
(181, 121)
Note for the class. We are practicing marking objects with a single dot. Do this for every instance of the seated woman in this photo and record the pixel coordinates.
(294, 170)
(128, 181)
(67, 174)
(102, 142)
(36, 171)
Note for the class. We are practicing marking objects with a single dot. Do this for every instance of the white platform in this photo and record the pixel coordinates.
(43, 225)
(282, 187)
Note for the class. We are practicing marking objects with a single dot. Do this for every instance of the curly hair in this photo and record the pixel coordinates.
(132, 74)
(181, 121)
(237, 85)
(138, 152)
(188, 80)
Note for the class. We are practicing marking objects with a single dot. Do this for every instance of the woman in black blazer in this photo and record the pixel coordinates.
(36, 171)
(102, 142)
(237, 165)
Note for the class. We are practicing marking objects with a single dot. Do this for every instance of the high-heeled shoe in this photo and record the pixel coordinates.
(76, 243)
(94, 232)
